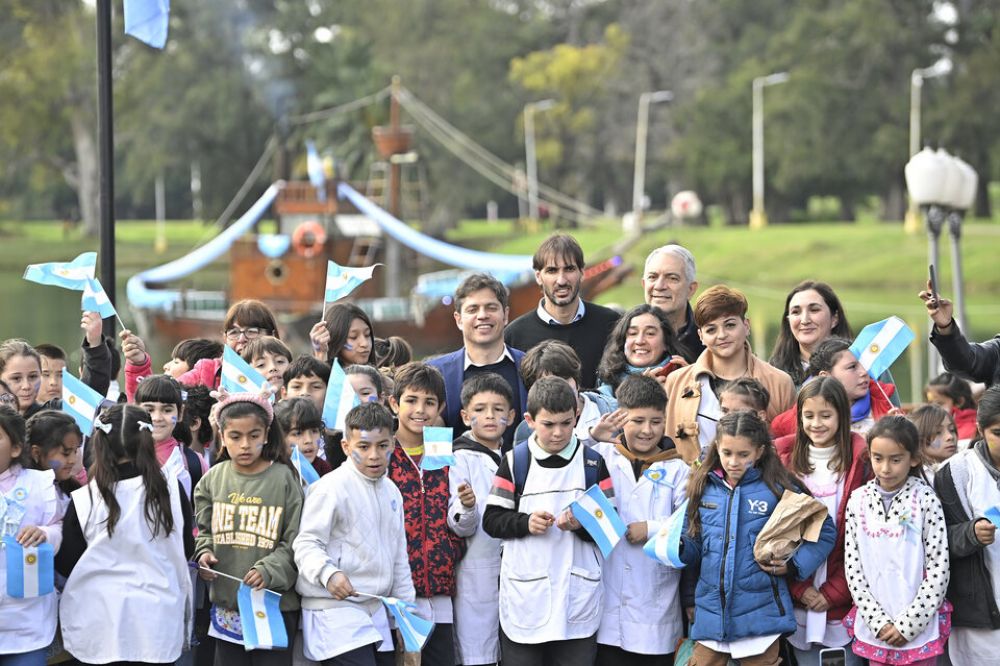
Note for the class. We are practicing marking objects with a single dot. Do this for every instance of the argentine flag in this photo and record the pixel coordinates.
(437, 448)
(30, 569)
(95, 299)
(260, 615)
(80, 401)
(879, 345)
(340, 398)
(306, 471)
(147, 20)
(599, 518)
(238, 376)
(415, 630)
(66, 274)
(665, 545)
(341, 281)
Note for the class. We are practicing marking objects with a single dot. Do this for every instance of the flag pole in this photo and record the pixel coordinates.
(106, 153)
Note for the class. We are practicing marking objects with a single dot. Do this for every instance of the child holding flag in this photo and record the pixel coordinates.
(302, 427)
(642, 612)
(247, 510)
(129, 507)
(550, 579)
(352, 539)
(29, 517)
(436, 519)
(345, 334)
(742, 606)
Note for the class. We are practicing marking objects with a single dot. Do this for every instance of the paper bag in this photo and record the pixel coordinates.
(797, 518)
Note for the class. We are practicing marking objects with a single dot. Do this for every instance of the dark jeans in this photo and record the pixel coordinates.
(576, 652)
(440, 647)
(363, 656)
(608, 655)
(233, 654)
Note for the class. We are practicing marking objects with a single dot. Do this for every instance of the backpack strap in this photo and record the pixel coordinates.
(591, 463)
(521, 457)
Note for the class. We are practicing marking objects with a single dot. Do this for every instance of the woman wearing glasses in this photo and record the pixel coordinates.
(246, 320)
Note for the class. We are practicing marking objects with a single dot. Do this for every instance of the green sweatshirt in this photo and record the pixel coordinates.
(249, 521)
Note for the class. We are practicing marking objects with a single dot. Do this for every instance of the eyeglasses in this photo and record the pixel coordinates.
(249, 333)
(8, 399)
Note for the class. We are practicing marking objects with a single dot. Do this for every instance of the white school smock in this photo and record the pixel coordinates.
(127, 597)
(477, 598)
(550, 583)
(28, 624)
(642, 608)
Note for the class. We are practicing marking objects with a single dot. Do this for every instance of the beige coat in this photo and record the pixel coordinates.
(684, 398)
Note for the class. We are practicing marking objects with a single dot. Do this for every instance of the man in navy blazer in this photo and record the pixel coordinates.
(481, 312)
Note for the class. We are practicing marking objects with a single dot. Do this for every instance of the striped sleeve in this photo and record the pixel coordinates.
(604, 480)
(502, 491)
(501, 520)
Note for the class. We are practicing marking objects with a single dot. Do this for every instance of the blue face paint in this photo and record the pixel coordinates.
(474, 420)
(348, 346)
(503, 421)
(373, 398)
(55, 465)
(356, 457)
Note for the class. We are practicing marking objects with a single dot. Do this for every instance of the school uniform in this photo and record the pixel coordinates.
(551, 595)
(351, 524)
(642, 611)
(477, 611)
(898, 571)
(27, 498)
(137, 611)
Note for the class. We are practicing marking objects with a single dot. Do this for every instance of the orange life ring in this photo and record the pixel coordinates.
(308, 239)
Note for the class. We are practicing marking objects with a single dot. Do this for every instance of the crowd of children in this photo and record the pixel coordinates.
(186, 494)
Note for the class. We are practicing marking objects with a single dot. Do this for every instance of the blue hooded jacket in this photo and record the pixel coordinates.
(734, 597)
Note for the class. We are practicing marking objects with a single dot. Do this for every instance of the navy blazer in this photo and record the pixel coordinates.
(452, 367)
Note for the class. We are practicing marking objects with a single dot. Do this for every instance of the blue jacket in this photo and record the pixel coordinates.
(734, 597)
(452, 366)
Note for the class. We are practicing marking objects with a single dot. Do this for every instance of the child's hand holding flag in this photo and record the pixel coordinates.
(597, 515)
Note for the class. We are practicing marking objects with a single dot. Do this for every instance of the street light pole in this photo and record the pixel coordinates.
(758, 217)
(531, 164)
(641, 131)
(912, 222)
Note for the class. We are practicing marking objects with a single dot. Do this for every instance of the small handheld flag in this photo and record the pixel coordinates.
(665, 545)
(341, 281)
(340, 398)
(314, 167)
(95, 299)
(992, 514)
(30, 569)
(879, 345)
(238, 376)
(80, 401)
(147, 21)
(599, 518)
(306, 471)
(66, 274)
(415, 630)
(260, 615)
(437, 448)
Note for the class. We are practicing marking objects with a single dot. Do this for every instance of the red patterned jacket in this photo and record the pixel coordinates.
(434, 549)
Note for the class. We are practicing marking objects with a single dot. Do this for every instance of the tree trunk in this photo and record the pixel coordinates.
(848, 213)
(894, 202)
(86, 180)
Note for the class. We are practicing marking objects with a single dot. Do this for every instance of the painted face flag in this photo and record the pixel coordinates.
(415, 630)
(66, 274)
(341, 281)
(597, 515)
(260, 615)
(147, 20)
(238, 376)
(80, 401)
(437, 448)
(665, 545)
(306, 471)
(879, 345)
(30, 569)
(340, 398)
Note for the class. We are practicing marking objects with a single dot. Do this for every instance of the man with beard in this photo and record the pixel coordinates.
(561, 313)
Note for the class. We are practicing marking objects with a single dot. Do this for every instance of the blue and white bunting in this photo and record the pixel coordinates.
(80, 401)
(30, 569)
(665, 545)
(340, 398)
(879, 345)
(414, 629)
(341, 280)
(597, 515)
(260, 615)
(437, 448)
(239, 377)
(95, 299)
(314, 167)
(147, 21)
(66, 274)
(306, 471)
